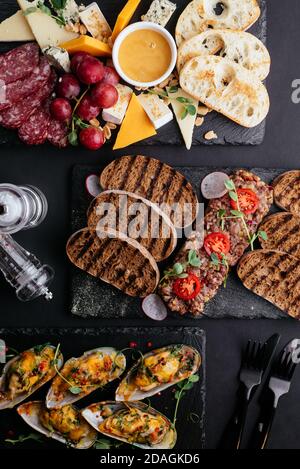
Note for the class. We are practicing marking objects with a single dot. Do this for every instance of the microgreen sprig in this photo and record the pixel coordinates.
(182, 387)
(22, 438)
(187, 103)
(238, 215)
(217, 261)
(179, 269)
(104, 443)
(44, 9)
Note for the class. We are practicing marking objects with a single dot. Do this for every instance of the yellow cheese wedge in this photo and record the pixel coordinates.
(125, 17)
(87, 44)
(15, 28)
(136, 125)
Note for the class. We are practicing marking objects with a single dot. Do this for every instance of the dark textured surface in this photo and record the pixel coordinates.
(77, 341)
(51, 169)
(91, 297)
(228, 132)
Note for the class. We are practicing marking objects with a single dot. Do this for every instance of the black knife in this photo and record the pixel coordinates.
(232, 432)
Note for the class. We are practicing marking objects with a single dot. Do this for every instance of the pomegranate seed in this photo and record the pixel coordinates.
(149, 344)
(132, 344)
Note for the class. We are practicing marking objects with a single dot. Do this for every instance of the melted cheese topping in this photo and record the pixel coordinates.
(67, 421)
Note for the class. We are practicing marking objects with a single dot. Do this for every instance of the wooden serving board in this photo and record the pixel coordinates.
(74, 342)
(92, 298)
(228, 132)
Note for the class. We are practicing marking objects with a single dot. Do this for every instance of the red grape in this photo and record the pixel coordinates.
(104, 95)
(91, 138)
(111, 76)
(68, 86)
(77, 59)
(87, 109)
(61, 109)
(90, 70)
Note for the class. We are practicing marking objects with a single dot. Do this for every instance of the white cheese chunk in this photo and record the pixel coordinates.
(117, 113)
(46, 30)
(160, 12)
(59, 58)
(15, 28)
(158, 112)
(71, 11)
(95, 22)
(187, 124)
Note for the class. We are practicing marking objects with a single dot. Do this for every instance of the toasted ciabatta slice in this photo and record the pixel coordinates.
(136, 217)
(283, 230)
(115, 259)
(287, 191)
(155, 181)
(275, 276)
(240, 47)
(226, 87)
(201, 15)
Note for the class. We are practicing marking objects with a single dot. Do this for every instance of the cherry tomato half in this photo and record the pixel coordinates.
(187, 288)
(248, 201)
(218, 243)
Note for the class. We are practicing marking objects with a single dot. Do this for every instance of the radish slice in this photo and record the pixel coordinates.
(92, 185)
(213, 185)
(154, 307)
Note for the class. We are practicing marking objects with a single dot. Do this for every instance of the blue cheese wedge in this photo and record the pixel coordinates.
(95, 22)
(70, 12)
(59, 58)
(160, 12)
(187, 124)
(117, 113)
(158, 112)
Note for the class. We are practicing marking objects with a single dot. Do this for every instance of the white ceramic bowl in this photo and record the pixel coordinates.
(135, 27)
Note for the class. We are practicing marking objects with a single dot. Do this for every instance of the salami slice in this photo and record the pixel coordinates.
(35, 130)
(18, 90)
(15, 116)
(58, 133)
(18, 63)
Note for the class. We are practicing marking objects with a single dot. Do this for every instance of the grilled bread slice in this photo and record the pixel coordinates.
(275, 276)
(287, 191)
(226, 87)
(115, 259)
(201, 15)
(283, 230)
(136, 217)
(240, 47)
(155, 181)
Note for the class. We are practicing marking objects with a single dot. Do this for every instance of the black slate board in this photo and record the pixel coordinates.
(76, 341)
(228, 132)
(93, 298)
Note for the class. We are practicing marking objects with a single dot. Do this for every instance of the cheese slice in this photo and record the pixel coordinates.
(187, 124)
(15, 28)
(116, 113)
(45, 29)
(124, 17)
(87, 44)
(158, 112)
(95, 22)
(136, 125)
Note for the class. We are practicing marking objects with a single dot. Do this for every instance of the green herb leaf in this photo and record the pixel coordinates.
(73, 138)
(177, 395)
(22, 438)
(214, 259)
(229, 184)
(75, 390)
(44, 9)
(178, 268)
(237, 213)
(184, 113)
(192, 111)
(30, 10)
(221, 213)
(182, 276)
(40, 348)
(173, 89)
(194, 378)
(58, 4)
(233, 196)
(183, 100)
(263, 235)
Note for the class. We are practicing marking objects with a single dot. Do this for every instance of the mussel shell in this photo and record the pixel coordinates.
(8, 403)
(30, 414)
(94, 416)
(137, 394)
(51, 400)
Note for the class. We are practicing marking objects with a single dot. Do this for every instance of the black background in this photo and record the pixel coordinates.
(50, 170)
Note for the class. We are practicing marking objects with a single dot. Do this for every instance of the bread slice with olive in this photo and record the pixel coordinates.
(116, 259)
(201, 15)
(240, 47)
(275, 276)
(227, 88)
(283, 231)
(156, 182)
(136, 217)
(287, 191)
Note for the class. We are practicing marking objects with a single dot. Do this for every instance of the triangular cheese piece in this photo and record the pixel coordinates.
(187, 124)
(136, 125)
(15, 28)
(46, 30)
